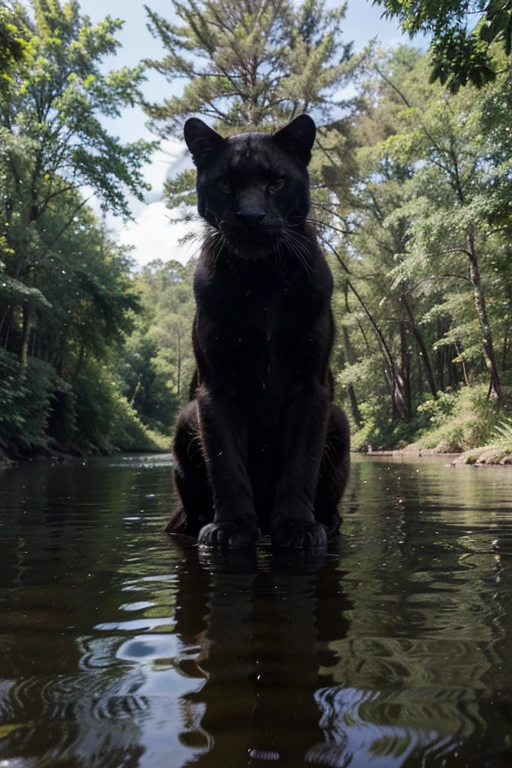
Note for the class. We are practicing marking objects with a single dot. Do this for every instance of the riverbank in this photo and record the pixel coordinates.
(11, 455)
(486, 455)
(463, 421)
(490, 455)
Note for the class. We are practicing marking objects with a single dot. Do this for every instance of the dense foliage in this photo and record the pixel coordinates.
(65, 288)
(436, 224)
(156, 365)
(411, 188)
(462, 34)
(411, 191)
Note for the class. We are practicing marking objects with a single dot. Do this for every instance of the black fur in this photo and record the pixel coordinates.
(260, 446)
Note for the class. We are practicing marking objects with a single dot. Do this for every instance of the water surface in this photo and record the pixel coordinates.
(119, 647)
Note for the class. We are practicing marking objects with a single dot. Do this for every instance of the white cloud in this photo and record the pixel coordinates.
(163, 164)
(151, 232)
(154, 237)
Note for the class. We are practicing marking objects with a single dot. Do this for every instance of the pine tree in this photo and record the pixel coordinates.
(249, 65)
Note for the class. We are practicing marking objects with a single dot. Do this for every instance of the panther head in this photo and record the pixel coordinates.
(253, 188)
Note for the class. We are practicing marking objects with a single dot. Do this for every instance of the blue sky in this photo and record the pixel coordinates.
(150, 233)
(363, 22)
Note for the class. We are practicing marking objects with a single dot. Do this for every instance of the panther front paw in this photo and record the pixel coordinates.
(235, 534)
(299, 535)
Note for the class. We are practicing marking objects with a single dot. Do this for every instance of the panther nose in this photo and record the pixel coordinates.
(251, 217)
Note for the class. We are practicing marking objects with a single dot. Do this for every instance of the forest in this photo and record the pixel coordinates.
(411, 196)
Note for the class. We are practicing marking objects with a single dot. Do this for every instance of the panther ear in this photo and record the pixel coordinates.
(201, 139)
(297, 137)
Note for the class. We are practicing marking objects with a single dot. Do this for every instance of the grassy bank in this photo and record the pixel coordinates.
(463, 421)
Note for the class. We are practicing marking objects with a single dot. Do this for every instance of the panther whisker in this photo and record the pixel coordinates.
(280, 254)
(301, 242)
(218, 247)
(299, 249)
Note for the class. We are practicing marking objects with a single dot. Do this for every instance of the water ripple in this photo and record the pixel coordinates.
(120, 648)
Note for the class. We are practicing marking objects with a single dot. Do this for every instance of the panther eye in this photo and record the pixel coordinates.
(276, 185)
(224, 185)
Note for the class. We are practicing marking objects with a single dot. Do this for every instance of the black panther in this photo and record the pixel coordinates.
(260, 447)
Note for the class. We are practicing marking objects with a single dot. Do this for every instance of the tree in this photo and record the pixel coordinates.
(363, 191)
(66, 296)
(250, 65)
(53, 140)
(422, 252)
(85, 276)
(462, 33)
(157, 363)
(451, 205)
(84, 306)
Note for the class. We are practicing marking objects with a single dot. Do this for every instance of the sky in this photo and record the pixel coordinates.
(151, 234)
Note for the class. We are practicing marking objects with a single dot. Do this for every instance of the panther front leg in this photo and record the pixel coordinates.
(224, 439)
(304, 431)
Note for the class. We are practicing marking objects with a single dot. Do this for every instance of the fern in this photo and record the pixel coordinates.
(503, 432)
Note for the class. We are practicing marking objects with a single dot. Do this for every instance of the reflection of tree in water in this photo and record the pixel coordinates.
(429, 621)
(84, 719)
(65, 699)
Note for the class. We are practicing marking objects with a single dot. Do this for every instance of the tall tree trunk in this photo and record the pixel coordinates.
(419, 380)
(405, 371)
(34, 339)
(178, 353)
(135, 393)
(349, 357)
(440, 367)
(397, 393)
(28, 323)
(483, 319)
(465, 374)
(425, 357)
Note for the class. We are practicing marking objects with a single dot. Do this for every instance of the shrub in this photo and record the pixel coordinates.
(26, 404)
(461, 420)
(104, 417)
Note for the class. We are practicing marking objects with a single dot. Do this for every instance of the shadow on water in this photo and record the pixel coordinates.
(266, 640)
(121, 649)
(281, 674)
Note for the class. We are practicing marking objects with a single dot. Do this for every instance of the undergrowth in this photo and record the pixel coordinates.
(41, 412)
(456, 421)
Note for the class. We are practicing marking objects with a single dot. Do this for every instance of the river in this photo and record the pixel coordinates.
(119, 647)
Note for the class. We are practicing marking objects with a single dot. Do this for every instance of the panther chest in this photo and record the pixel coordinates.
(265, 357)
(268, 313)
(258, 336)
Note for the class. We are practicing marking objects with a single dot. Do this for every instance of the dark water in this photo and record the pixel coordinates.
(120, 648)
